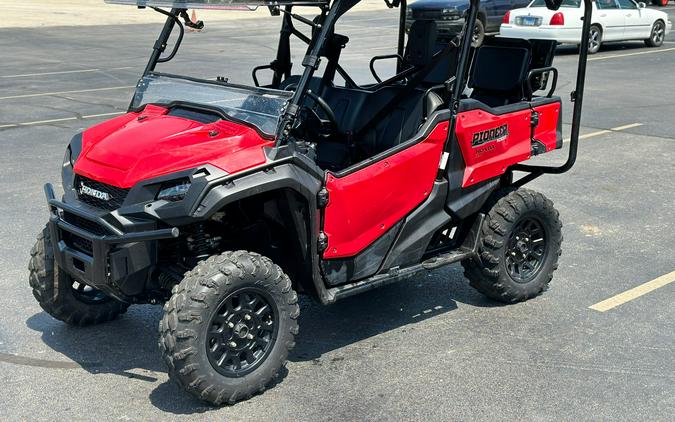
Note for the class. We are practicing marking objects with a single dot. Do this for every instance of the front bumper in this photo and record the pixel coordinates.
(544, 32)
(447, 29)
(93, 251)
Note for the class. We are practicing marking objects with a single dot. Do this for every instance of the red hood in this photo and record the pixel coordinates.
(138, 146)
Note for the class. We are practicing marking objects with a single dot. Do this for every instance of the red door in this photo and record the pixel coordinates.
(365, 203)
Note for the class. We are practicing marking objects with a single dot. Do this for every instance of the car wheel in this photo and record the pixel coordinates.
(228, 327)
(478, 34)
(657, 36)
(595, 39)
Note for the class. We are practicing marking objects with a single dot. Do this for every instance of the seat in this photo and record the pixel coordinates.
(498, 74)
(399, 117)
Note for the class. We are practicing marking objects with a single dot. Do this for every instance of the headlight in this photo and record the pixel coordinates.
(174, 191)
(450, 14)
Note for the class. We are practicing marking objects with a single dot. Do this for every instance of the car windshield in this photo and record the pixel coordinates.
(565, 3)
(256, 106)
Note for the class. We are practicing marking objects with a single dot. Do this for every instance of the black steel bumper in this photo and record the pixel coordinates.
(446, 29)
(92, 250)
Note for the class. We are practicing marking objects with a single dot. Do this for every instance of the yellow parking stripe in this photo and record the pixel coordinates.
(633, 293)
(605, 131)
(592, 134)
(624, 127)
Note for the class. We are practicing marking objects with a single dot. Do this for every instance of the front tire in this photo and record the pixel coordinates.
(61, 296)
(228, 328)
(657, 36)
(519, 248)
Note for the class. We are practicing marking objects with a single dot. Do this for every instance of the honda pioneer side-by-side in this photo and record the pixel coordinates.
(225, 201)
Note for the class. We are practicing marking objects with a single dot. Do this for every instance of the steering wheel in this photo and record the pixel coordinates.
(328, 111)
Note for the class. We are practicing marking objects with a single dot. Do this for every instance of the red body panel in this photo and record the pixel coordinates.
(140, 146)
(368, 202)
(547, 129)
(490, 159)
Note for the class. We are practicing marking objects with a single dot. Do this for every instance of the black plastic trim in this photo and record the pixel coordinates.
(418, 229)
(363, 265)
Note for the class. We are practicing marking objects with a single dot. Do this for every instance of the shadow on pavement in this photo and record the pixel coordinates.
(616, 47)
(128, 346)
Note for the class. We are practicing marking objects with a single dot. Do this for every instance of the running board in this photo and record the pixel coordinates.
(469, 249)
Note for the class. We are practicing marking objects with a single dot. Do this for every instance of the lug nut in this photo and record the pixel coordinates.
(513, 253)
(250, 336)
(231, 325)
(247, 317)
(232, 344)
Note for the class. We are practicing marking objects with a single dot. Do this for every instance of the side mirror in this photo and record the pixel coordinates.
(642, 5)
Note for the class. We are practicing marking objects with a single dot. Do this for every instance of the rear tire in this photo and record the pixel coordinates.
(657, 36)
(63, 297)
(520, 244)
(228, 328)
(478, 34)
(595, 39)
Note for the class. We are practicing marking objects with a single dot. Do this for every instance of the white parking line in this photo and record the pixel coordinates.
(65, 119)
(633, 293)
(45, 94)
(65, 72)
(614, 56)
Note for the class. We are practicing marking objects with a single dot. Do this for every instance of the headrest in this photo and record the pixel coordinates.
(498, 68)
(421, 42)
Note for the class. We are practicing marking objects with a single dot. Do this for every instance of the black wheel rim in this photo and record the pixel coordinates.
(242, 332)
(87, 294)
(526, 250)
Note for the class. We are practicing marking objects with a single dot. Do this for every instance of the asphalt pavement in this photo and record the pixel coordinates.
(429, 349)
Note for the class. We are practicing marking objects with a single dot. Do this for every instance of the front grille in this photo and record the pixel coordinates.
(79, 243)
(431, 14)
(115, 195)
(84, 224)
(437, 15)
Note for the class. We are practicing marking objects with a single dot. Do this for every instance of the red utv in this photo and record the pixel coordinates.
(222, 201)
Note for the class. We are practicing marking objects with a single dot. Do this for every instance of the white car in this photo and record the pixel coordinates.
(612, 20)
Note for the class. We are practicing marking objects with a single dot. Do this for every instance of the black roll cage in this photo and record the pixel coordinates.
(322, 29)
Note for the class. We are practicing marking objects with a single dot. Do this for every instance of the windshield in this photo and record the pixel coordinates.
(214, 4)
(565, 3)
(259, 107)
